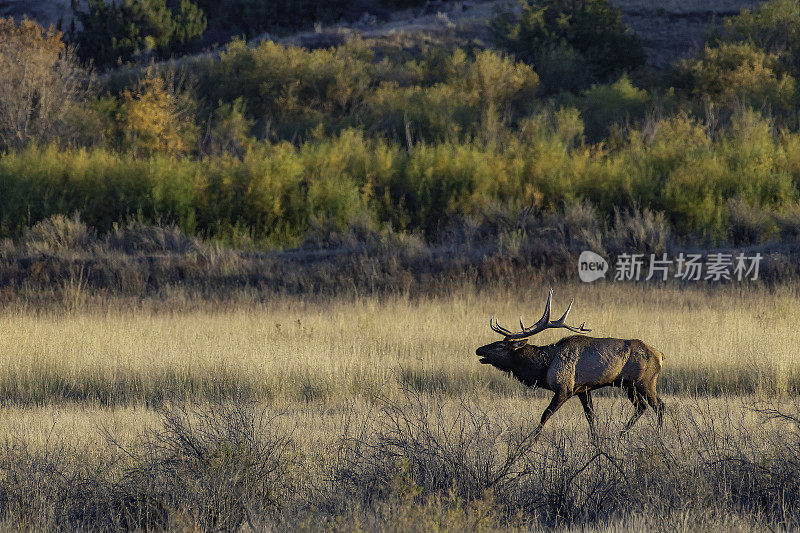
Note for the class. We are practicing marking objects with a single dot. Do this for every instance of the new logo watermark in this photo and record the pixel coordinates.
(715, 266)
(591, 267)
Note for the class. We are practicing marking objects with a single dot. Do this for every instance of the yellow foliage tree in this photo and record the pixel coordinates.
(158, 119)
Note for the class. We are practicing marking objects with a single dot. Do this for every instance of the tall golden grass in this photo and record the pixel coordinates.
(735, 339)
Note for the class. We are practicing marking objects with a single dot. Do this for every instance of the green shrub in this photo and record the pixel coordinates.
(231, 129)
(275, 192)
(562, 68)
(477, 98)
(774, 28)
(603, 106)
(734, 73)
(290, 91)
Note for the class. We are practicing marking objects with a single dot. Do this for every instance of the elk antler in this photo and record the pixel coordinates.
(542, 324)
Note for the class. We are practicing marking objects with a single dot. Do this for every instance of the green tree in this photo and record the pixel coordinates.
(571, 43)
(116, 32)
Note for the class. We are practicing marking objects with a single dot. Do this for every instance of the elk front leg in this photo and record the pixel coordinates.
(557, 401)
(588, 409)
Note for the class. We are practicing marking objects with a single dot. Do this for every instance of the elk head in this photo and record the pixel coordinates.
(507, 354)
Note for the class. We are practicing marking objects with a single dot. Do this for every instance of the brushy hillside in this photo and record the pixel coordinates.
(669, 30)
(263, 142)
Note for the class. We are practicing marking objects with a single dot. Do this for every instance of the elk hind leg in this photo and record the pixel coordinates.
(655, 402)
(639, 404)
(588, 409)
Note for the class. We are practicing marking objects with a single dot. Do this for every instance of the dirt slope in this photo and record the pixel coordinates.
(669, 29)
(45, 11)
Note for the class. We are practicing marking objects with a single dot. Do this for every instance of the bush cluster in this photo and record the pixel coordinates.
(268, 141)
(574, 43)
(277, 189)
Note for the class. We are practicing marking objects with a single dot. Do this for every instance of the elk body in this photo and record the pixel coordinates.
(577, 365)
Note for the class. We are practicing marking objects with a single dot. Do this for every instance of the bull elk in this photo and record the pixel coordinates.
(577, 365)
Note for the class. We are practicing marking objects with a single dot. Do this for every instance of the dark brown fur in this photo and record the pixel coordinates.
(577, 365)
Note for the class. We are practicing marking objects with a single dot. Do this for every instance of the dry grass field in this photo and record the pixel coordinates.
(372, 413)
(726, 340)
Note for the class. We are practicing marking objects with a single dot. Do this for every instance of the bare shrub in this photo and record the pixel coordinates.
(749, 224)
(416, 439)
(419, 447)
(639, 230)
(137, 238)
(42, 84)
(35, 482)
(207, 468)
(414, 460)
(58, 234)
(213, 467)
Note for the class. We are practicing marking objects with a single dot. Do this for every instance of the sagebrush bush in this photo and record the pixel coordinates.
(642, 231)
(137, 238)
(58, 233)
(211, 468)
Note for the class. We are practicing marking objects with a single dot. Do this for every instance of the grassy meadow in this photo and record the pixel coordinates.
(372, 413)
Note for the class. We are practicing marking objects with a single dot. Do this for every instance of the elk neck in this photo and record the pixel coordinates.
(532, 364)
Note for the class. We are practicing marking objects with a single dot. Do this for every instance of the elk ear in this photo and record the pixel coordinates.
(517, 344)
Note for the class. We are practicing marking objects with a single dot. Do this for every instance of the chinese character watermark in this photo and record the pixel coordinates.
(629, 267)
(713, 266)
